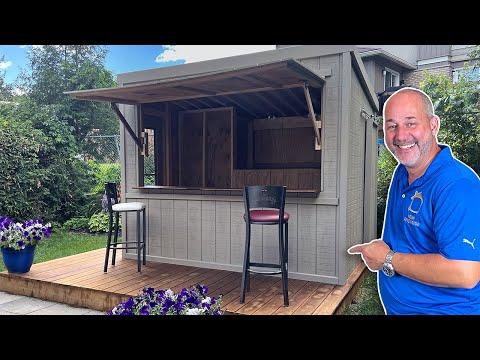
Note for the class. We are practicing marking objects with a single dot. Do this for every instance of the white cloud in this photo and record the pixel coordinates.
(193, 53)
(5, 64)
(18, 91)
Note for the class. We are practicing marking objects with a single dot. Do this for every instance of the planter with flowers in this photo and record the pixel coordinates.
(18, 242)
(193, 301)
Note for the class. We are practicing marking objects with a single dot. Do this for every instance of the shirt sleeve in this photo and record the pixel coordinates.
(457, 220)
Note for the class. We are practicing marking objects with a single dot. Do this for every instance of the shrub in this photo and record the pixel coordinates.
(37, 164)
(99, 222)
(76, 224)
(19, 171)
(386, 166)
(103, 172)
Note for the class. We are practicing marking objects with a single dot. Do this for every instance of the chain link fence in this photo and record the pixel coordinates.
(104, 150)
(149, 161)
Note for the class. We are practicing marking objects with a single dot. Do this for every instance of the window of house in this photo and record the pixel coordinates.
(470, 73)
(391, 78)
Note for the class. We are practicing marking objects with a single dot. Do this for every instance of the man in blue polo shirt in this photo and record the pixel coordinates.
(429, 255)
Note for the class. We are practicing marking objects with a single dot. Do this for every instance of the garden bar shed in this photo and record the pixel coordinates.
(300, 116)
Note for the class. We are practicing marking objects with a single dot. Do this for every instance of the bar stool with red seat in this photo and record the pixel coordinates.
(265, 205)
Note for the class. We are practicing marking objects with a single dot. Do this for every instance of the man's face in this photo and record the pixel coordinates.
(409, 133)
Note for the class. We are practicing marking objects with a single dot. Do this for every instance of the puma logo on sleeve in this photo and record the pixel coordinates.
(470, 242)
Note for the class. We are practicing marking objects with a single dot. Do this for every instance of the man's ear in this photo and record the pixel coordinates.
(435, 124)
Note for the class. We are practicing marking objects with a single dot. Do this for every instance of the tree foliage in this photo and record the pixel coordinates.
(386, 166)
(458, 106)
(475, 55)
(55, 69)
(6, 90)
(40, 173)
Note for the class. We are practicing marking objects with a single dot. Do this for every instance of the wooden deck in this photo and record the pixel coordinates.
(79, 280)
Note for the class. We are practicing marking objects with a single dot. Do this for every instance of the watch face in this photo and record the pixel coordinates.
(388, 269)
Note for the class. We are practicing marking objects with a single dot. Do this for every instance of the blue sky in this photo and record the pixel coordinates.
(126, 58)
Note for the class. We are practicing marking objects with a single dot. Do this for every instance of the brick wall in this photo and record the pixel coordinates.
(414, 77)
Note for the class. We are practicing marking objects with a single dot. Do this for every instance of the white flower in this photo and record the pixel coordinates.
(194, 311)
(170, 294)
(207, 300)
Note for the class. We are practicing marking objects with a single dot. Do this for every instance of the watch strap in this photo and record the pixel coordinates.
(389, 256)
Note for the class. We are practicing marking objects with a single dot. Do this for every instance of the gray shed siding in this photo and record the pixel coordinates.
(330, 119)
(356, 170)
(187, 234)
(206, 228)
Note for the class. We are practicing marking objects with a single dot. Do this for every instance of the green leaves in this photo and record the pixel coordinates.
(60, 68)
(457, 104)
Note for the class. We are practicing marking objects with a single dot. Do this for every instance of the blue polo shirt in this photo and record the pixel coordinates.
(437, 214)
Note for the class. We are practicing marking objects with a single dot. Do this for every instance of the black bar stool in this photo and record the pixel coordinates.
(265, 205)
(114, 207)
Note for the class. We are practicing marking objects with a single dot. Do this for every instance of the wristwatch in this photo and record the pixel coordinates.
(387, 266)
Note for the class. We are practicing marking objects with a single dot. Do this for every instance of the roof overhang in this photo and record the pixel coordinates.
(284, 74)
(386, 55)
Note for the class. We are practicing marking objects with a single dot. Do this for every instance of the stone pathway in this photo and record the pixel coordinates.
(23, 305)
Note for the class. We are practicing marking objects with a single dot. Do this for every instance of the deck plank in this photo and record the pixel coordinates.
(79, 280)
(277, 302)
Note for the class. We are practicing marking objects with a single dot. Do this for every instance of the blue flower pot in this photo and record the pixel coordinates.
(18, 261)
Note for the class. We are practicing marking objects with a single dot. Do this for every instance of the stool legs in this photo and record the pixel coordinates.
(144, 239)
(283, 245)
(115, 238)
(246, 265)
(283, 254)
(109, 240)
(139, 263)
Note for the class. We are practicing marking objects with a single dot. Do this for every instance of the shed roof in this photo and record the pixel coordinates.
(258, 85)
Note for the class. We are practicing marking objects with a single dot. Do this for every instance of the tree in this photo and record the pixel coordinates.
(457, 104)
(6, 90)
(60, 68)
(40, 174)
(475, 55)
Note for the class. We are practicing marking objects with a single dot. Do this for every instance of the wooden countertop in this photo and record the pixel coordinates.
(161, 187)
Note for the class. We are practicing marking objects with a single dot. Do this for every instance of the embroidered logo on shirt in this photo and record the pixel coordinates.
(416, 204)
(414, 207)
(470, 242)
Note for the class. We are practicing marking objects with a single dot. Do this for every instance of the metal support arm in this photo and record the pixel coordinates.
(312, 116)
(139, 143)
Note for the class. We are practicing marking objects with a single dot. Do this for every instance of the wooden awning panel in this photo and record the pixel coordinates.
(285, 74)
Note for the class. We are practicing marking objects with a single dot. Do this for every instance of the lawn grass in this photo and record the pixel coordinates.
(366, 301)
(64, 243)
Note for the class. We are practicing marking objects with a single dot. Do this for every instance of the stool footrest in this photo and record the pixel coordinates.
(276, 266)
(265, 272)
(126, 245)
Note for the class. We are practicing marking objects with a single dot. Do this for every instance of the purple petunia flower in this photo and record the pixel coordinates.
(17, 235)
(192, 301)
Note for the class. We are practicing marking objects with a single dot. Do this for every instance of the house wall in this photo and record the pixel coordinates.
(206, 228)
(432, 51)
(460, 53)
(405, 52)
(413, 78)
